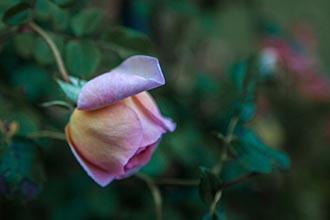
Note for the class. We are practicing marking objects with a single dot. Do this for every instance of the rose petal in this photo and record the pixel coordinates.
(134, 75)
(152, 131)
(140, 158)
(103, 140)
(100, 176)
(146, 102)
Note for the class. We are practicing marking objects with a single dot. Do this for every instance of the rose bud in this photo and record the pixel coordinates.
(117, 125)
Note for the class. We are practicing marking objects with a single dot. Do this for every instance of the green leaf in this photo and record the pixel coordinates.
(24, 44)
(49, 12)
(255, 156)
(209, 185)
(21, 170)
(127, 42)
(59, 17)
(42, 52)
(237, 75)
(77, 82)
(82, 58)
(86, 22)
(18, 14)
(42, 10)
(232, 169)
(72, 90)
(248, 111)
(244, 77)
(244, 80)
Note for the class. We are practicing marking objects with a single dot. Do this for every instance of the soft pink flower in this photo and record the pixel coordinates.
(298, 57)
(117, 125)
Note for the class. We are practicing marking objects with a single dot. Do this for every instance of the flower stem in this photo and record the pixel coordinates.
(54, 49)
(239, 179)
(58, 103)
(227, 139)
(215, 201)
(195, 182)
(218, 194)
(47, 134)
(155, 194)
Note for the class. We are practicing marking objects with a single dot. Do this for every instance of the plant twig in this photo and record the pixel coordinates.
(58, 103)
(231, 128)
(218, 194)
(238, 180)
(54, 49)
(215, 201)
(47, 134)
(155, 194)
(195, 182)
(227, 142)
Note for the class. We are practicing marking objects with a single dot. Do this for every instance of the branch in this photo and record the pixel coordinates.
(54, 49)
(238, 180)
(155, 194)
(195, 182)
(47, 134)
(215, 202)
(57, 103)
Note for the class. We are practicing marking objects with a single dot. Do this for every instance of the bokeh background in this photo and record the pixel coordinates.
(199, 44)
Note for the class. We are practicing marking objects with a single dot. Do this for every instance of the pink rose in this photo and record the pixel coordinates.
(117, 125)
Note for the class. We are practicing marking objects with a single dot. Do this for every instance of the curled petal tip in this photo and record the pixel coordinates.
(136, 74)
(170, 125)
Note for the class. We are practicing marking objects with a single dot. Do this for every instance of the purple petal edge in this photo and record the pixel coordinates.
(101, 178)
(136, 74)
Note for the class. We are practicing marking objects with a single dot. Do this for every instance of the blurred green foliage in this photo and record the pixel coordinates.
(21, 169)
(209, 54)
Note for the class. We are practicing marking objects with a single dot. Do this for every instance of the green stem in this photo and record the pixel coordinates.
(227, 142)
(195, 182)
(58, 103)
(218, 194)
(231, 128)
(47, 134)
(54, 49)
(215, 201)
(152, 184)
(223, 157)
(155, 194)
(238, 180)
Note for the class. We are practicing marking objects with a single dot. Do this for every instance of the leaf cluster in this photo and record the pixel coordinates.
(83, 41)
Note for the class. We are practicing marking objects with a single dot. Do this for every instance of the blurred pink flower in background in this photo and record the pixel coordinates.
(297, 56)
(117, 125)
